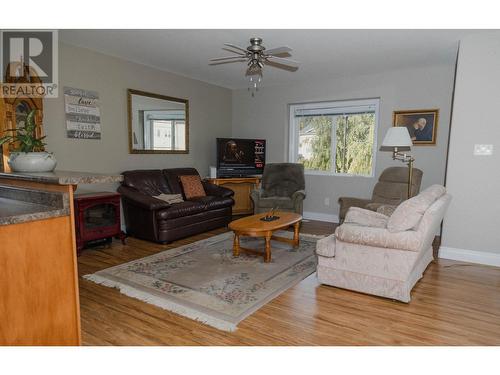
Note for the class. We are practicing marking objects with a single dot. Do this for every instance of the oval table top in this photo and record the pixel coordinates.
(254, 224)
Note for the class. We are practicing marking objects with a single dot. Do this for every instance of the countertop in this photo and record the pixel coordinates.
(13, 211)
(19, 204)
(63, 177)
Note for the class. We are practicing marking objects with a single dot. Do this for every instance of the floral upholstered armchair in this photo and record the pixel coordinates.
(383, 255)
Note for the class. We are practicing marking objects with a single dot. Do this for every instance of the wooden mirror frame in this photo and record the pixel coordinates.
(131, 92)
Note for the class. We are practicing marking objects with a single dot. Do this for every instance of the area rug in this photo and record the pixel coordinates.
(203, 281)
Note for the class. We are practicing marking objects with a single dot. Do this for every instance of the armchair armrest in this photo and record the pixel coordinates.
(325, 247)
(348, 202)
(142, 200)
(255, 195)
(360, 216)
(299, 194)
(215, 190)
(379, 237)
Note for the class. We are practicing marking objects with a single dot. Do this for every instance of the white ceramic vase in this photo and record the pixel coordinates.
(32, 161)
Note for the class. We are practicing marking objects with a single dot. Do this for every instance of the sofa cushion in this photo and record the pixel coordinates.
(213, 202)
(200, 218)
(373, 206)
(379, 237)
(170, 198)
(360, 216)
(276, 202)
(180, 209)
(409, 213)
(172, 177)
(149, 181)
(192, 187)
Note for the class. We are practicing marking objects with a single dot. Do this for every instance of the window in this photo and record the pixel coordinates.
(164, 130)
(334, 138)
(168, 134)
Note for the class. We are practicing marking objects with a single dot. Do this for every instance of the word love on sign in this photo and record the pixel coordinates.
(83, 116)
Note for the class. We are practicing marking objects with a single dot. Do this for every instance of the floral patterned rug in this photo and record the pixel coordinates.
(203, 281)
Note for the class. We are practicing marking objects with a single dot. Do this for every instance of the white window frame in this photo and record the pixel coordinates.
(339, 105)
(150, 116)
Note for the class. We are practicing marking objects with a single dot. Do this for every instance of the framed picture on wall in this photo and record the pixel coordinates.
(421, 124)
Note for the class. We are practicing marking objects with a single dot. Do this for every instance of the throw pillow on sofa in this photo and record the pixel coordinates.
(192, 187)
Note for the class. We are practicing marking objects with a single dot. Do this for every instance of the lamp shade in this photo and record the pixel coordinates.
(397, 136)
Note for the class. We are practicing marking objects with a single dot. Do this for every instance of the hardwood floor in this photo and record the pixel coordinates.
(454, 304)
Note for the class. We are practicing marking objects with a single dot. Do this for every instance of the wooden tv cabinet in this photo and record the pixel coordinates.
(242, 186)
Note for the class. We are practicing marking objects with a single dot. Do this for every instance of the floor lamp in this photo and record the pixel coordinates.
(397, 139)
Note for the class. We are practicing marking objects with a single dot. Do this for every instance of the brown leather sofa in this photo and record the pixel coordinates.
(156, 220)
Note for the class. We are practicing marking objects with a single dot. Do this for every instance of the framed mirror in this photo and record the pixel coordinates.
(22, 111)
(157, 124)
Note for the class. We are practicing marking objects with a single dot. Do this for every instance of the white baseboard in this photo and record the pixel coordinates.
(331, 218)
(472, 256)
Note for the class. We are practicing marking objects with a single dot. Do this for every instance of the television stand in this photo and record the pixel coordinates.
(234, 176)
(242, 187)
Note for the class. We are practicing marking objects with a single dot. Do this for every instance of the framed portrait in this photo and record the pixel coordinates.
(421, 124)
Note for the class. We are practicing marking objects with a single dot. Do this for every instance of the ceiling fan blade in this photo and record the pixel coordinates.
(226, 62)
(278, 51)
(282, 61)
(275, 64)
(236, 47)
(284, 54)
(232, 51)
(226, 58)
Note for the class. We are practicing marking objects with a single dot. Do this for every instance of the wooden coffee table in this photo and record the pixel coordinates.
(252, 226)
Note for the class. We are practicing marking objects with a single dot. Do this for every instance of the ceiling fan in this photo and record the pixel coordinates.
(257, 56)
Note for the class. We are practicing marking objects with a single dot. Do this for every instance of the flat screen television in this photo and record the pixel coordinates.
(240, 157)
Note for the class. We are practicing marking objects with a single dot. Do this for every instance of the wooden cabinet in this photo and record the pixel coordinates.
(242, 186)
(39, 301)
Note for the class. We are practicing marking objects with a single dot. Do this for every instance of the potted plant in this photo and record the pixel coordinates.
(29, 154)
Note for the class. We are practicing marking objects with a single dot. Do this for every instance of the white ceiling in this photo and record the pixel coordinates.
(320, 52)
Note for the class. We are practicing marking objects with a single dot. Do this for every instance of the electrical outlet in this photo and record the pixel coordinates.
(327, 201)
(483, 150)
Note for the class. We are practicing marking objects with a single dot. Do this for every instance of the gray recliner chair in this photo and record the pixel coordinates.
(390, 190)
(283, 187)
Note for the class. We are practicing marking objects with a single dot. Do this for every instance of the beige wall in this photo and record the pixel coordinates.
(210, 114)
(474, 181)
(266, 116)
(216, 112)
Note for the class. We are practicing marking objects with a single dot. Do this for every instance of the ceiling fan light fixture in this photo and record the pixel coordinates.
(256, 57)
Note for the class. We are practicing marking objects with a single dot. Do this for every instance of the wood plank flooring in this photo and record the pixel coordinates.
(454, 304)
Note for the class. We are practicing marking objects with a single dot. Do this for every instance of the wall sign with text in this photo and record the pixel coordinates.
(83, 115)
